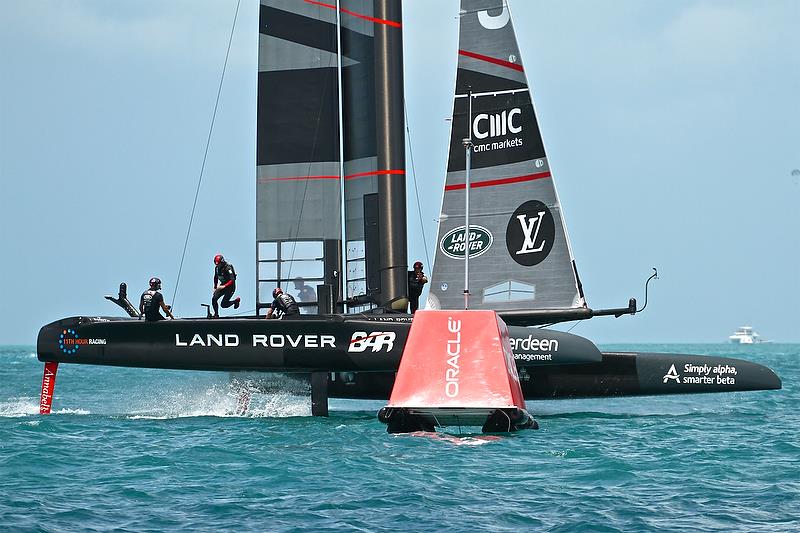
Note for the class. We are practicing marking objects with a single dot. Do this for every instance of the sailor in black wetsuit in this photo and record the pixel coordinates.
(224, 285)
(416, 280)
(151, 301)
(284, 303)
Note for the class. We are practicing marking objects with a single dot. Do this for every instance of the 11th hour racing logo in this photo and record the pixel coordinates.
(69, 341)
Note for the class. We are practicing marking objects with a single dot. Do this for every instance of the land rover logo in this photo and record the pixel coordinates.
(452, 244)
(530, 233)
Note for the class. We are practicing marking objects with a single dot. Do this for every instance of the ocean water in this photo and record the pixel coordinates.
(151, 450)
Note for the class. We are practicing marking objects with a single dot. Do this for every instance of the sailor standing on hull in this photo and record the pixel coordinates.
(283, 302)
(151, 301)
(224, 285)
(416, 280)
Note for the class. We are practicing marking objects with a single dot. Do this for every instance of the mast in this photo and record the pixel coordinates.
(468, 157)
(391, 154)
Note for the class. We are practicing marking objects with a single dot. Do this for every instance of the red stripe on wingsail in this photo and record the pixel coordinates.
(332, 177)
(502, 181)
(359, 15)
(501, 62)
(296, 178)
(374, 173)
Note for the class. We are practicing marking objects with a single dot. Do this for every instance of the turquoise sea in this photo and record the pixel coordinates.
(151, 450)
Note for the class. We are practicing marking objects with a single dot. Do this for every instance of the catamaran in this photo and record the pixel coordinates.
(331, 209)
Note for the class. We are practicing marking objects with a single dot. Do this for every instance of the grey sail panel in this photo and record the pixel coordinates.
(519, 251)
(359, 136)
(371, 33)
(298, 182)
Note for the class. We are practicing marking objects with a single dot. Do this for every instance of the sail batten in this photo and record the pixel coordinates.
(519, 252)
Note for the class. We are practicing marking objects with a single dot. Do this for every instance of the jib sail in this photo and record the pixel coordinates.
(519, 253)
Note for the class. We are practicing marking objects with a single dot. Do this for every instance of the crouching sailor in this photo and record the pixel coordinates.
(151, 301)
(284, 303)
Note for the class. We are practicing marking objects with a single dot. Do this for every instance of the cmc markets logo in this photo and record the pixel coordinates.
(497, 125)
(530, 233)
(453, 243)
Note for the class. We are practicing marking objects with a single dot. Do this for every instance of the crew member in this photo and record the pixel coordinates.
(284, 303)
(416, 280)
(151, 301)
(224, 285)
(305, 293)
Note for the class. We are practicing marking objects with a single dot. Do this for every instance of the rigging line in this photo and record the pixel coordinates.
(416, 189)
(205, 154)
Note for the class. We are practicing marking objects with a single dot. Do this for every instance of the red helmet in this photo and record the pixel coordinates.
(218, 259)
(276, 291)
(418, 264)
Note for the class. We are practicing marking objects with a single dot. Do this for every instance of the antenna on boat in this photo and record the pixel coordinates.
(653, 276)
(467, 142)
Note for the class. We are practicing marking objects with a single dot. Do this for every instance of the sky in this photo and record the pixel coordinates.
(672, 128)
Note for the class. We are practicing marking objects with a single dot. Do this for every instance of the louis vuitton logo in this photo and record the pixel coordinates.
(530, 228)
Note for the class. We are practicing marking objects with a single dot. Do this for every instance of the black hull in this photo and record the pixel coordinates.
(618, 374)
(362, 352)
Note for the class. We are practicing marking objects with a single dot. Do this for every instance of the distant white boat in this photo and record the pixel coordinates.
(745, 335)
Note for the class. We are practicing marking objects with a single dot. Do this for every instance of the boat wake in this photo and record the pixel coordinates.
(16, 407)
(218, 400)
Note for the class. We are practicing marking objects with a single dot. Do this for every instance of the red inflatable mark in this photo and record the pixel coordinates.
(48, 386)
(457, 359)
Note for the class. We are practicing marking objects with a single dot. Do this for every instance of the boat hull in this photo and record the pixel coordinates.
(310, 343)
(362, 353)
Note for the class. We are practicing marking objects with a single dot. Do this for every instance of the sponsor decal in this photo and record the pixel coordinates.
(376, 341)
(486, 128)
(257, 340)
(453, 243)
(48, 386)
(530, 233)
(494, 22)
(533, 349)
(453, 354)
(672, 374)
(445, 286)
(704, 374)
(497, 125)
(69, 341)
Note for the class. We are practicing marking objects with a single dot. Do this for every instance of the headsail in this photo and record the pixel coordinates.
(298, 200)
(520, 256)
